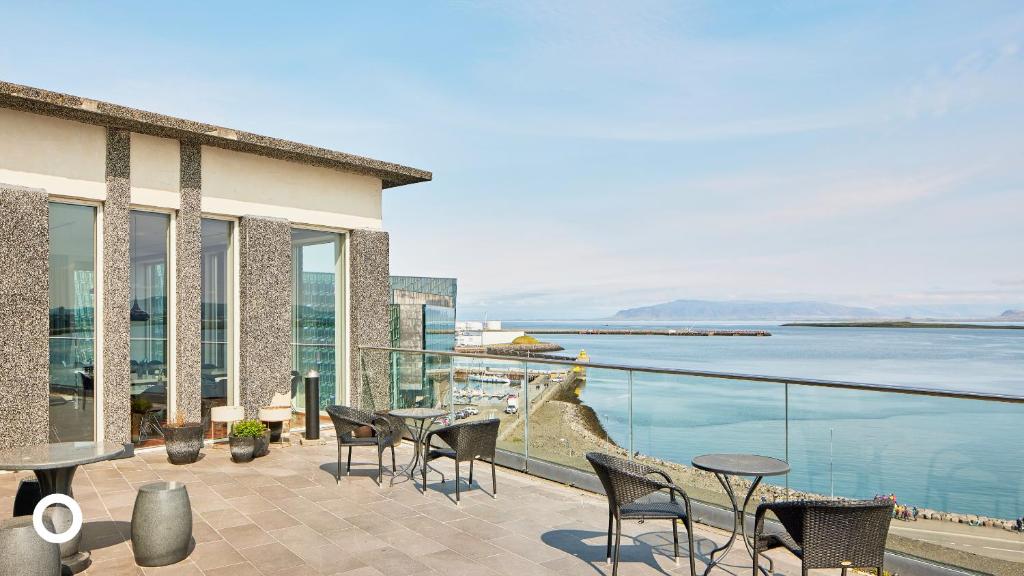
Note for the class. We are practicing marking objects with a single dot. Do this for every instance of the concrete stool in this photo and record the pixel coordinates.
(27, 497)
(277, 416)
(22, 551)
(161, 524)
(227, 415)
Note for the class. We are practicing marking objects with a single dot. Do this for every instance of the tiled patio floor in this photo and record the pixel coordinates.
(284, 514)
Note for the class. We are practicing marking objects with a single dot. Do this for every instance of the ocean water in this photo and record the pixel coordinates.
(947, 454)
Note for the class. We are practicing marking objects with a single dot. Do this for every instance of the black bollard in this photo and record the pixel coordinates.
(312, 405)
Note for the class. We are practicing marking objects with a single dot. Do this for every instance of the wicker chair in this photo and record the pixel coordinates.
(347, 420)
(827, 534)
(630, 489)
(467, 442)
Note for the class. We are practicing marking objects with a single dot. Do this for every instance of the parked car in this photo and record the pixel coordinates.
(511, 409)
(460, 414)
(471, 411)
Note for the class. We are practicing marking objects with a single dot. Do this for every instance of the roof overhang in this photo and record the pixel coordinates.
(36, 100)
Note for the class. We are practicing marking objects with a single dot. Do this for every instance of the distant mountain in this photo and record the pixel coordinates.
(743, 310)
(1012, 316)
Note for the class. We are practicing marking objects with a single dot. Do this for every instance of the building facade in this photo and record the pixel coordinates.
(155, 267)
(422, 318)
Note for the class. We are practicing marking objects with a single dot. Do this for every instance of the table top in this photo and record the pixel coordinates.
(58, 455)
(418, 413)
(741, 464)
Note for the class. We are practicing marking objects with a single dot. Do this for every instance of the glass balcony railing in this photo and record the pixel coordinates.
(954, 462)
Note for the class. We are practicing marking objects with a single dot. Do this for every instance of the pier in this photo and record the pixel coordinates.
(653, 332)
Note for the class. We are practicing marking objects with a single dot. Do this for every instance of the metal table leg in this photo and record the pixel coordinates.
(419, 434)
(738, 526)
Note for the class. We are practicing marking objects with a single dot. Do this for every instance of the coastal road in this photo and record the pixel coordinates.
(984, 541)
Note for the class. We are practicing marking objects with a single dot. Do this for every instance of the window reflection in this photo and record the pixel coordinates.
(148, 248)
(315, 266)
(216, 360)
(72, 321)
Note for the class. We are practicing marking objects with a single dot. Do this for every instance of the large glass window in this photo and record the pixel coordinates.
(148, 246)
(72, 322)
(217, 377)
(315, 264)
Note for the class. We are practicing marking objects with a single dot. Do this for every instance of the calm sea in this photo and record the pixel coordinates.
(954, 455)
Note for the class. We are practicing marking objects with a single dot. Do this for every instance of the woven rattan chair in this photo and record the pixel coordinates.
(466, 442)
(631, 496)
(347, 420)
(827, 534)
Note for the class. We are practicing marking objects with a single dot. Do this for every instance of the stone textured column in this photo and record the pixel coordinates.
(24, 316)
(116, 264)
(265, 310)
(368, 322)
(188, 287)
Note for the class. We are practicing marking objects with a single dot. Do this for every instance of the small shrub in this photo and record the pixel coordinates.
(249, 429)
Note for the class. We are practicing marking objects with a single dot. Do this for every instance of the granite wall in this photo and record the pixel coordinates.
(368, 322)
(188, 287)
(24, 316)
(117, 290)
(265, 310)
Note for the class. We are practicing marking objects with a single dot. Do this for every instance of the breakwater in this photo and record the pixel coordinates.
(643, 332)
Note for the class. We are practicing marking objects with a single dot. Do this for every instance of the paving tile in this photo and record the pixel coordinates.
(209, 555)
(374, 523)
(356, 541)
(233, 490)
(226, 518)
(451, 563)
(272, 519)
(246, 535)
(252, 503)
(116, 567)
(410, 542)
(392, 562)
(329, 559)
(480, 528)
(528, 548)
(271, 558)
(184, 568)
(511, 564)
(242, 569)
(299, 536)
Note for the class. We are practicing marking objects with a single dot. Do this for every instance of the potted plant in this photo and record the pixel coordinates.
(183, 440)
(243, 439)
(139, 408)
(263, 442)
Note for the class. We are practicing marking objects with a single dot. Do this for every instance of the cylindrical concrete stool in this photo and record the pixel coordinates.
(27, 497)
(161, 524)
(22, 551)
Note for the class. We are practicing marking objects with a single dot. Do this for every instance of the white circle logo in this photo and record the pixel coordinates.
(44, 532)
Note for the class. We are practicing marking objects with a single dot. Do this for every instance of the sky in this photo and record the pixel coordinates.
(593, 156)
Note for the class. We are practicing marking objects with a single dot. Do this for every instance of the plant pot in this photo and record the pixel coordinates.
(184, 442)
(243, 448)
(262, 447)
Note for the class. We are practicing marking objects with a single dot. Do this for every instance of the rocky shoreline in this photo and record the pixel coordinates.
(579, 429)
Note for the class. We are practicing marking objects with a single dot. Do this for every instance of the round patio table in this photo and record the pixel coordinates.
(725, 465)
(55, 465)
(424, 418)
